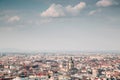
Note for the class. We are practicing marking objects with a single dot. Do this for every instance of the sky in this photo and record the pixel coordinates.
(59, 25)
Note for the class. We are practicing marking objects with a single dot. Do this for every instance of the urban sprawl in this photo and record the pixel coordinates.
(48, 66)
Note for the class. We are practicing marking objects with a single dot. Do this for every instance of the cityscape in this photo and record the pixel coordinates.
(59, 39)
(60, 66)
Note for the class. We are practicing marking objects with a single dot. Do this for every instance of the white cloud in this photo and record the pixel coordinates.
(105, 3)
(94, 12)
(53, 11)
(57, 10)
(13, 19)
(76, 9)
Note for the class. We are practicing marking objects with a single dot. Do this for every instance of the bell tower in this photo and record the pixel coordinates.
(71, 63)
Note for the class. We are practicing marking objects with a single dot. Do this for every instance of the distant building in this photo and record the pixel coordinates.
(70, 64)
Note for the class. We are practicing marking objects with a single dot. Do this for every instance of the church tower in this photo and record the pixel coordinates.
(71, 63)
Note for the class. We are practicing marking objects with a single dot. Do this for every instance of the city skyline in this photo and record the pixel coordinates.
(59, 25)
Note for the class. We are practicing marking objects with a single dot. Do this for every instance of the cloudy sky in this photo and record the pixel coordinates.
(59, 25)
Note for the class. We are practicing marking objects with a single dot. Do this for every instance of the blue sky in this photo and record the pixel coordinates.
(59, 25)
